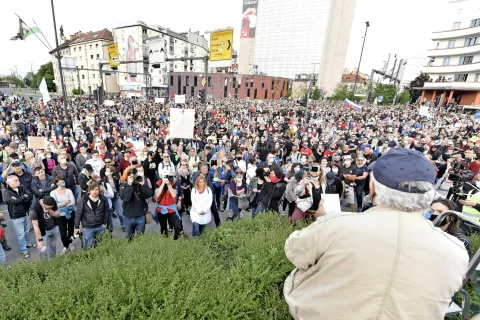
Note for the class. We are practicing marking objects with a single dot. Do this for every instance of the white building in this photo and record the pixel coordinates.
(454, 64)
(133, 45)
(284, 38)
(85, 51)
(410, 69)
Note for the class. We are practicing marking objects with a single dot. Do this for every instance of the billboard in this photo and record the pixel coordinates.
(249, 18)
(113, 55)
(221, 45)
(156, 50)
(133, 52)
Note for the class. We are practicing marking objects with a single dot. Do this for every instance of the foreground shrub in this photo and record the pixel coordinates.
(233, 272)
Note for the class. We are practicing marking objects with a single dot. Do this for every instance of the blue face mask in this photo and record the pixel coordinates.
(428, 215)
(134, 139)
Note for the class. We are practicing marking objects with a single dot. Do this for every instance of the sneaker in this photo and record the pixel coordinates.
(29, 246)
(7, 247)
(26, 256)
(71, 248)
(114, 215)
(65, 250)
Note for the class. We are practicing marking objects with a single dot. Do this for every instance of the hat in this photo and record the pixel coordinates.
(392, 144)
(400, 165)
(88, 167)
(330, 177)
(49, 201)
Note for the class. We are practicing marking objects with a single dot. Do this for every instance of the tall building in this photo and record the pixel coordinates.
(284, 38)
(410, 69)
(454, 65)
(85, 51)
(133, 45)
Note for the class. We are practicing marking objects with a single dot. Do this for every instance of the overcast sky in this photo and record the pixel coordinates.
(397, 26)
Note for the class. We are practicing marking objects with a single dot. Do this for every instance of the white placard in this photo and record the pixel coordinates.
(180, 99)
(160, 100)
(182, 123)
(109, 103)
(157, 51)
(424, 111)
(331, 203)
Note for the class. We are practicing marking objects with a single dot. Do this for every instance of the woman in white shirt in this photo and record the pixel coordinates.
(65, 202)
(200, 213)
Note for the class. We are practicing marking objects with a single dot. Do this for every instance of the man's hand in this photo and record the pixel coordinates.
(202, 213)
(167, 182)
(40, 245)
(76, 231)
(67, 202)
(320, 211)
(2, 216)
(130, 180)
(179, 205)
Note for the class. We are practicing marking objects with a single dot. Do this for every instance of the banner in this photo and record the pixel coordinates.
(182, 123)
(249, 19)
(37, 142)
(160, 100)
(180, 99)
(113, 59)
(157, 50)
(44, 91)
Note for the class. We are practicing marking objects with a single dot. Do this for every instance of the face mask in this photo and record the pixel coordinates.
(63, 161)
(335, 170)
(314, 178)
(61, 185)
(108, 173)
(296, 169)
(135, 162)
(303, 161)
(274, 179)
(348, 162)
(141, 174)
(49, 156)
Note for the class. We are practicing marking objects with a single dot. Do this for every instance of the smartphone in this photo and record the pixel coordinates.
(315, 169)
(213, 162)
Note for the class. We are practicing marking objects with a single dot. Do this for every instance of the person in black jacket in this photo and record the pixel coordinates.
(84, 179)
(42, 184)
(273, 190)
(18, 199)
(92, 212)
(134, 195)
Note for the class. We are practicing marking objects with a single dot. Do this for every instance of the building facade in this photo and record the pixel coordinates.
(224, 85)
(133, 45)
(83, 51)
(454, 65)
(410, 69)
(284, 38)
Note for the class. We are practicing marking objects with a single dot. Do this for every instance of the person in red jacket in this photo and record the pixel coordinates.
(124, 163)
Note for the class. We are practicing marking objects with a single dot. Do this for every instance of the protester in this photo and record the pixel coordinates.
(44, 214)
(65, 202)
(167, 208)
(402, 184)
(202, 198)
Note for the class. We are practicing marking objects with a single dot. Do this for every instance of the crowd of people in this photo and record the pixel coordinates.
(245, 157)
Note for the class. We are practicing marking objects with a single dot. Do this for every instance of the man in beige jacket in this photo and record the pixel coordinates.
(386, 263)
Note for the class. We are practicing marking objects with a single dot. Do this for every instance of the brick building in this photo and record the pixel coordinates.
(224, 85)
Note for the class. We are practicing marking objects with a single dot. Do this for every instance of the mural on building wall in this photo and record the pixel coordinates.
(132, 52)
(249, 18)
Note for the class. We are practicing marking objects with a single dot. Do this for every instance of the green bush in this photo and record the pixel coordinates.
(233, 272)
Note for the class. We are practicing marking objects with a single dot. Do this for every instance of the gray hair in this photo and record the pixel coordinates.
(404, 201)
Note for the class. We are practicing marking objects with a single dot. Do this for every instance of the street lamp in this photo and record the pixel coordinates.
(367, 24)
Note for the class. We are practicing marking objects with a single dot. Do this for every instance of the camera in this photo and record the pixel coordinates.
(170, 178)
(76, 236)
(138, 179)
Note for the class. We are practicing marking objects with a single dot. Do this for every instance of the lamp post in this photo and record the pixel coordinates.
(59, 59)
(367, 24)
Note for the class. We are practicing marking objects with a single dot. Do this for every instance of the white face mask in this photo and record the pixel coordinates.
(335, 170)
(296, 169)
(347, 162)
(140, 174)
(477, 183)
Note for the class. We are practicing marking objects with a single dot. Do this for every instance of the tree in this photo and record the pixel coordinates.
(75, 91)
(404, 97)
(341, 92)
(29, 80)
(418, 82)
(388, 92)
(46, 71)
(289, 93)
(316, 94)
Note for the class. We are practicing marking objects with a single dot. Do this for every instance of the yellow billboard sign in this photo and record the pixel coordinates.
(113, 55)
(221, 44)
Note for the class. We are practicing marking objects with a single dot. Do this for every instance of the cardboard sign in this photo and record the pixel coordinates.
(160, 100)
(37, 142)
(182, 122)
(179, 99)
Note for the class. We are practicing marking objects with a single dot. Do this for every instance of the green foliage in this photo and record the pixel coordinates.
(316, 94)
(404, 97)
(385, 90)
(233, 272)
(418, 82)
(29, 80)
(75, 91)
(16, 81)
(289, 93)
(342, 92)
(46, 71)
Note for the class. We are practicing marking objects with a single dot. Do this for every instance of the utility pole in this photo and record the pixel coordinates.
(59, 63)
(78, 79)
(308, 91)
(367, 24)
(33, 75)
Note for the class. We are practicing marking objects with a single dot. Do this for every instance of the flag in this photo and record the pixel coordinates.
(24, 31)
(351, 105)
(44, 91)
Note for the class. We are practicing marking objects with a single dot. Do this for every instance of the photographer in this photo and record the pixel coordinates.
(134, 195)
(308, 192)
(273, 190)
(167, 208)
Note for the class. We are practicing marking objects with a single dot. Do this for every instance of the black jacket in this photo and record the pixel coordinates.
(82, 181)
(49, 186)
(271, 194)
(18, 202)
(91, 219)
(135, 205)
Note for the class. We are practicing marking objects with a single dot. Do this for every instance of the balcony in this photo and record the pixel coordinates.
(459, 68)
(455, 34)
(448, 52)
(452, 85)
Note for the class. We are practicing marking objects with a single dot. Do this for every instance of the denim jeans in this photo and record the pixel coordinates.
(117, 207)
(235, 210)
(21, 226)
(197, 229)
(134, 224)
(89, 235)
(50, 239)
(3, 258)
(256, 210)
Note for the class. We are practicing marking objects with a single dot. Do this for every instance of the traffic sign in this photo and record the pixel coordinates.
(204, 82)
(221, 45)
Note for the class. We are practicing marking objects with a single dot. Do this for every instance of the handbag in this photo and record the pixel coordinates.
(66, 211)
(148, 217)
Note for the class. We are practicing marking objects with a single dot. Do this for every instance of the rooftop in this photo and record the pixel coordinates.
(78, 38)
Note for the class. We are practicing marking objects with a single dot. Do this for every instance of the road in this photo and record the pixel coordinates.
(27, 93)
(15, 256)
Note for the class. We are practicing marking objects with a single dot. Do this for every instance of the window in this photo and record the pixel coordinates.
(248, 93)
(451, 43)
(93, 76)
(246, 84)
(75, 49)
(96, 45)
(461, 77)
(472, 41)
(475, 23)
(255, 94)
(225, 91)
(465, 60)
(273, 84)
(477, 77)
(83, 77)
(266, 94)
(187, 81)
(192, 91)
(171, 81)
(195, 81)
(209, 81)
(234, 84)
(283, 87)
(90, 46)
(438, 45)
(456, 25)
(179, 84)
(98, 56)
(441, 79)
(91, 56)
(263, 84)
(236, 93)
(184, 90)
(446, 61)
